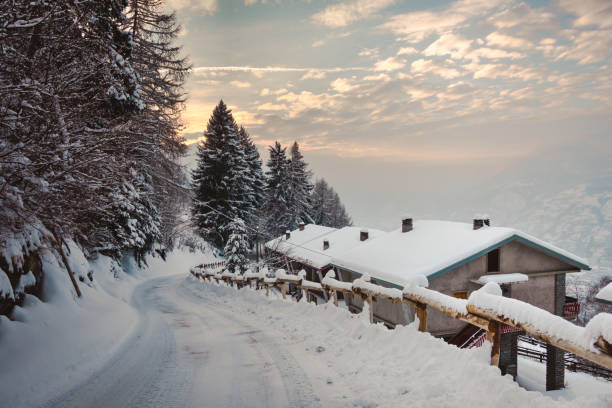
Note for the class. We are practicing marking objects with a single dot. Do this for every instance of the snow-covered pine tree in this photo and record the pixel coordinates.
(321, 202)
(277, 216)
(239, 180)
(256, 179)
(162, 72)
(300, 205)
(327, 209)
(236, 248)
(66, 89)
(338, 216)
(136, 224)
(221, 181)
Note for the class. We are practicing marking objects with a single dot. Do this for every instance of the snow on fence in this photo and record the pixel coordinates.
(486, 308)
(207, 270)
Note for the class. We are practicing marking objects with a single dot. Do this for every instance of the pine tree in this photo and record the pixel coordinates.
(276, 210)
(300, 205)
(327, 209)
(237, 247)
(256, 179)
(136, 223)
(66, 91)
(162, 73)
(321, 202)
(221, 181)
(338, 216)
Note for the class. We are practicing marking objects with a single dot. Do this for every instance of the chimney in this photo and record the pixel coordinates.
(325, 244)
(406, 224)
(364, 234)
(480, 220)
(287, 234)
(301, 226)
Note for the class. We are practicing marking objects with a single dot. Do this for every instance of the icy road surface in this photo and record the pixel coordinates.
(187, 352)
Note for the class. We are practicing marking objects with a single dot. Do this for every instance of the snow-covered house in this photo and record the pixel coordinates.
(315, 255)
(287, 250)
(458, 258)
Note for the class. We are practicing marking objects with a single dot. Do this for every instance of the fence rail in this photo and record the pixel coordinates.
(420, 297)
(572, 362)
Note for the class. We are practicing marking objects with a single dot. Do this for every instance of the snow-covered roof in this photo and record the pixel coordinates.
(312, 252)
(435, 247)
(297, 238)
(605, 294)
(501, 278)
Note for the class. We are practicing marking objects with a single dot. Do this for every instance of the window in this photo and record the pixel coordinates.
(461, 294)
(493, 261)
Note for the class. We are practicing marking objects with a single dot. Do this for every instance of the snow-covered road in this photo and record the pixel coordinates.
(181, 342)
(189, 352)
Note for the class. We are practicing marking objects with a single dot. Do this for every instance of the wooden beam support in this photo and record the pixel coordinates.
(421, 314)
(283, 290)
(335, 296)
(368, 299)
(494, 337)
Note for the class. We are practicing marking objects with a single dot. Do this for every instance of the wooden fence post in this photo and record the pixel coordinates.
(283, 290)
(370, 306)
(421, 313)
(335, 296)
(494, 336)
(267, 289)
(306, 294)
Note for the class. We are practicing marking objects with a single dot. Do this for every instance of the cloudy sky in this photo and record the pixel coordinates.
(415, 96)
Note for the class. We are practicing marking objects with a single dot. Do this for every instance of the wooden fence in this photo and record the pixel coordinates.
(421, 297)
(571, 361)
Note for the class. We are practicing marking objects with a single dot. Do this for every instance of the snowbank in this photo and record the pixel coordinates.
(53, 345)
(358, 364)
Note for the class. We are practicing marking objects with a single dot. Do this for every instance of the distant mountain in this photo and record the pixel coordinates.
(559, 199)
(578, 218)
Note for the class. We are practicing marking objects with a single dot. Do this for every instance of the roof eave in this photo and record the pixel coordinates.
(480, 253)
(514, 237)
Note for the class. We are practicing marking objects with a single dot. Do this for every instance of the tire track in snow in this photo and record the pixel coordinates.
(143, 373)
(188, 351)
(297, 386)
